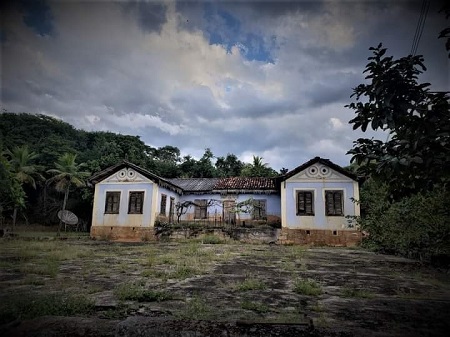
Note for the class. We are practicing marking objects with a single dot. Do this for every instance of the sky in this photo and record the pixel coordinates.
(264, 78)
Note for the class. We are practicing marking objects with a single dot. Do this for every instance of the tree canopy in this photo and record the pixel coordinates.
(416, 155)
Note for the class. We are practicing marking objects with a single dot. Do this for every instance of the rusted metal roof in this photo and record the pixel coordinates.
(195, 184)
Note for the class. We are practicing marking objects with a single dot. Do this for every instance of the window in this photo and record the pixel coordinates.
(171, 209)
(305, 203)
(333, 203)
(135, 202)
(162, 210)
(112, 203)
(200, 209)
(259, 209)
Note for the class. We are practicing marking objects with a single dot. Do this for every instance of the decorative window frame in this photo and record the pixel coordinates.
(313, 201)
(113, 210)
(131, 208)
(334, 213)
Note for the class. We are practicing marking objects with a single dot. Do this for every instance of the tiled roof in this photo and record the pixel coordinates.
(237, 184)
(245, 183)
(195, 184)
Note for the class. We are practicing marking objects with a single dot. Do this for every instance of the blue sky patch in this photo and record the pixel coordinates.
(38, 16)
(224, 29)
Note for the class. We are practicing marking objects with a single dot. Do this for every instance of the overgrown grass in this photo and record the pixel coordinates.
(258, 307)
(196, 308)
(307, 287)
(250, 283)
(135, 292)
(26, 306)
(212, 239)
(356, 293)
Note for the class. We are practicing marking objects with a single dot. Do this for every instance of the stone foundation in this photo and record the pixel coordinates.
(320, 237)
(346, 238)
(123, 234)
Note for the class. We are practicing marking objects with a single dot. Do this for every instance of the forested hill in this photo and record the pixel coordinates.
(50, 138)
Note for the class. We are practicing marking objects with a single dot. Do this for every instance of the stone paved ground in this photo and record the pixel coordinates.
(217, 289)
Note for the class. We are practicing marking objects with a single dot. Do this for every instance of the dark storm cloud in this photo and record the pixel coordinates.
(151, 15)
(38, 15)
(274, 85)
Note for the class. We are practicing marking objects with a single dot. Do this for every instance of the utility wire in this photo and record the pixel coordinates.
(420, 25)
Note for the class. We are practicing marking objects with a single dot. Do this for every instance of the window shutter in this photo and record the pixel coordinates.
(301, 203)
(329, 203)
(308, 203)
(203, 209)
(197, 209)
(338, 203)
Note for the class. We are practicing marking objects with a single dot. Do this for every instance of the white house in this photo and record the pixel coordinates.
(309, 203)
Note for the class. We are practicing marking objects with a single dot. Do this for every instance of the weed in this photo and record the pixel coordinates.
(33, 280)
(196, 308)
(258, 307)
(135, 292)
(212, 239)
(307, 287)
(251, 284)
(183, 272)
(317, 307)
(46, 267)
(356, 293)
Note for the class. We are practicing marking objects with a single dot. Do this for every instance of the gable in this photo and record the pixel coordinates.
(319, 172)
(125, 175)
(319, 168)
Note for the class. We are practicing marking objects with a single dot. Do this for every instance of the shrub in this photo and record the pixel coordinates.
(417, 226)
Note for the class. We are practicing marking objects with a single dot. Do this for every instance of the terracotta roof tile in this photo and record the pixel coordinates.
(245, 183)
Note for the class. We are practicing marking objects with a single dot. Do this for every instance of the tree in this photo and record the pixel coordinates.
(229, 166)
(12, 195)
(67, 173)
(416, 157)
(204, 167)
(24, 172)
(257, 169)
(445, 33)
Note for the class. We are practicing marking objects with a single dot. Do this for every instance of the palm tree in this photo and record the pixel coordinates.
(259, 167)
(23, 171)
(67, 173)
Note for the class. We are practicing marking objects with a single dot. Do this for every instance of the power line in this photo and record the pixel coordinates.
(420, 25)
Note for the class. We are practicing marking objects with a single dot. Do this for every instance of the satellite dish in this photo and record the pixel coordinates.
(67, 217)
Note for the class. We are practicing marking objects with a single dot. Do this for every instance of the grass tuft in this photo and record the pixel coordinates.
(135, 292)
(212, 239)
(258, 307)
(356, 293)
(307, 287)
(251, 284)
